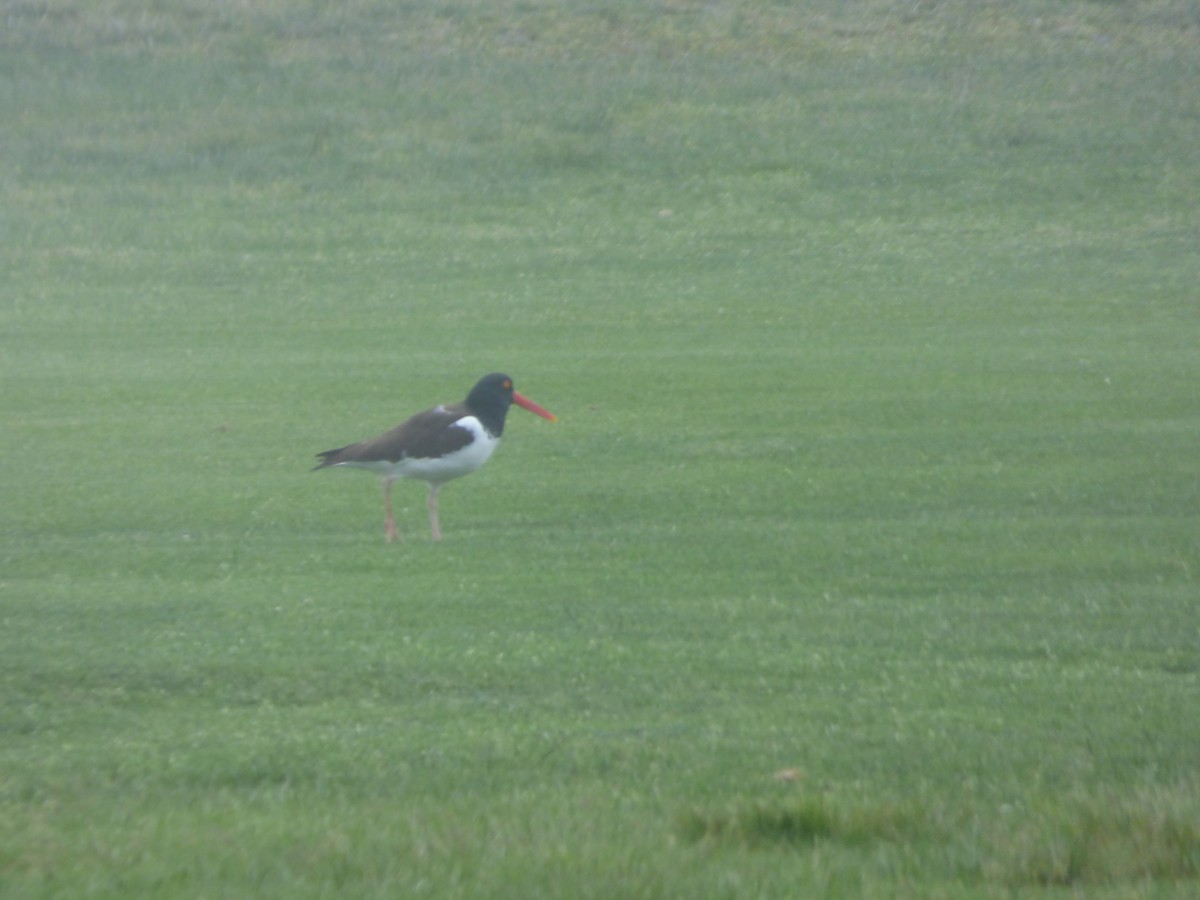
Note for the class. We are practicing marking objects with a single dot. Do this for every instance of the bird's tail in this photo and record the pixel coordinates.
(329, 457)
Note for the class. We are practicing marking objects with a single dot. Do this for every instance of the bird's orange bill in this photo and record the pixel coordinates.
(533, 407)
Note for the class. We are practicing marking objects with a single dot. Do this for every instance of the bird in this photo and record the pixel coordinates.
(436, 445)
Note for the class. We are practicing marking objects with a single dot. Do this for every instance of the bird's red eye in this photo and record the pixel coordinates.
(507, 384)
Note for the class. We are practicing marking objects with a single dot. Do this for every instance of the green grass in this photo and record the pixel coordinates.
(872, 333)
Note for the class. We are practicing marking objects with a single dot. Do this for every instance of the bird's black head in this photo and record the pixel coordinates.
(490, 399)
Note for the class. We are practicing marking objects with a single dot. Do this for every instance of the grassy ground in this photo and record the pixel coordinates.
(862, 561)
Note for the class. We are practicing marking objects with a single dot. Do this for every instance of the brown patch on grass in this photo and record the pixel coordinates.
(802, 821)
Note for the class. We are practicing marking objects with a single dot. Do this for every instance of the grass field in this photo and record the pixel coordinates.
(861, 562)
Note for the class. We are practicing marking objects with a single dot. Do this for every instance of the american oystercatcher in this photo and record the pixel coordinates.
(438, 444)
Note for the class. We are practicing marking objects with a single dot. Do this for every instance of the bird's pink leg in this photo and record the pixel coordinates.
(433, 518)
(393, 534)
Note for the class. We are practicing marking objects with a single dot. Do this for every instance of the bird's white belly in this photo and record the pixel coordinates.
(454, 464)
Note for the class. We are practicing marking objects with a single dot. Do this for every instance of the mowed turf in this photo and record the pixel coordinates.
(861, 562)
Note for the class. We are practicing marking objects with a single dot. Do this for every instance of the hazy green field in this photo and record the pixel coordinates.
(862, 561)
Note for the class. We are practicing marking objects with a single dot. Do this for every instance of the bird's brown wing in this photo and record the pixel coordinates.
(426, 435)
